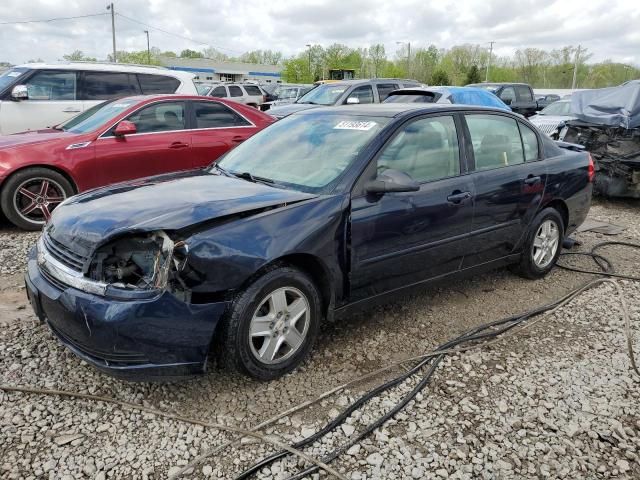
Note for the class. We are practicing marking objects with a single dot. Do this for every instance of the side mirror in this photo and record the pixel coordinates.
(392, 181)
(20, 92)
(125, 127)
(353, 100)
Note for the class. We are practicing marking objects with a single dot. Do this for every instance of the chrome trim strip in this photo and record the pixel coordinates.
(66, 275)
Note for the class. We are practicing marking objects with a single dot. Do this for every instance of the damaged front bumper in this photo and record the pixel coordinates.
(137, 338)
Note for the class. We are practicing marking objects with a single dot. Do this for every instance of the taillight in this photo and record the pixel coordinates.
(591, 171)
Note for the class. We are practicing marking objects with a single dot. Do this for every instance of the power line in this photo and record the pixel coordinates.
(47, 20)
(176, 34)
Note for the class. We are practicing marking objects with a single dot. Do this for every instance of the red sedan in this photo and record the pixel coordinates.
(114, 141)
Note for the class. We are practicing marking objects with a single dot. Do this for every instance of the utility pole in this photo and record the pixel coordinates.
(148, 48)
(309, 47)
(486, 76)
(575, 69)
(408, 55)
(113, 30)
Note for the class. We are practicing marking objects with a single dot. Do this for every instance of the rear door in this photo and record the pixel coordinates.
(509, 182)
(237, 94)
(399, 239)
(217, 128)
(162, 144)
(53, 99)
(219, 92)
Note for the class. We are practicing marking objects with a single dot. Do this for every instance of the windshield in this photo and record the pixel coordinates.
(304, 152)
(327, 94)
(96, 116)
(557, 108)
(10, 76)
(413, 98)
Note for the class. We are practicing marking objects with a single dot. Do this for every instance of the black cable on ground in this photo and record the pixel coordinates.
(476, 334)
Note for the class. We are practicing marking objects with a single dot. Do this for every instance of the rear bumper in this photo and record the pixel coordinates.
(137, 340)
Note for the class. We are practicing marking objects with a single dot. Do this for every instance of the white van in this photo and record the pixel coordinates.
(36, 96)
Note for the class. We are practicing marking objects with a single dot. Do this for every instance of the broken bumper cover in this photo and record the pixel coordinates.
(134, 339)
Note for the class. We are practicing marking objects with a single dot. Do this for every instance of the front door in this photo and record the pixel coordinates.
(52, 100)
(398, 239)
(162, 144)
(509, 182)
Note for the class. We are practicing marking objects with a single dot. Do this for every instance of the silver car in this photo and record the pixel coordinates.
(551, 117)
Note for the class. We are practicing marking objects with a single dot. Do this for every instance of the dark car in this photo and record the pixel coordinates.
(322, 212)
(344, 92)
(519, 96)
(546, 100)
(462, 95)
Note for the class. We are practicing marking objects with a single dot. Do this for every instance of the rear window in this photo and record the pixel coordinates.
(108, 85)
(524, 93)
(152, 84)
(216, 115)
(253, 90)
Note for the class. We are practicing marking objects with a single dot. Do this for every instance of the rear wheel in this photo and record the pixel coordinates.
(543, 245)
(272, 325)
(29, 197)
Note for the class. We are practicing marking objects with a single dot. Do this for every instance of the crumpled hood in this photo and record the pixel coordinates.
(284, 110)
(168, 202)
(31, 138)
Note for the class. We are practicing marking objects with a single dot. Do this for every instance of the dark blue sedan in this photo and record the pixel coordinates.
(325, 210)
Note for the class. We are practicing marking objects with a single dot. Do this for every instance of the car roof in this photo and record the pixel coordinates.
(395, 109)
(110, 67)
(370, 80)
(481, 84)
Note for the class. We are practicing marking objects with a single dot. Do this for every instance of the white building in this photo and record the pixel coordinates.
(207, 70)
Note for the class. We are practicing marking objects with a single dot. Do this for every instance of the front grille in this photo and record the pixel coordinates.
(108, 358)
(64, 255)
(548, 128)
(53, 280)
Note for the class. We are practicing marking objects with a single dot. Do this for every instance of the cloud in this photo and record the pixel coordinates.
(607, 28)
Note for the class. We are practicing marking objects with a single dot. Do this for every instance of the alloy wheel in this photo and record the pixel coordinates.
(545, 243)
(35, 199)
(279, 325)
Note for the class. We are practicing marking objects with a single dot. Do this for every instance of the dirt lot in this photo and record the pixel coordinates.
(556, 400)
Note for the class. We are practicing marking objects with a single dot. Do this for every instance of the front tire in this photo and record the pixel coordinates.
(30, 195)
(272, 325)
(542, 246)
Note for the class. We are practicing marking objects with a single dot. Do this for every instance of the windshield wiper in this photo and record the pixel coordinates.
(252, 178)
(222, 170)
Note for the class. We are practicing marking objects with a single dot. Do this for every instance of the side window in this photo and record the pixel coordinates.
(159, 117)
(253, 90)
(363, 93)
(216, 115)
(384, 89)
(524, 93)
(508, 95)
(426, 149)
(235, 91)
(52, 85)
(219, 92)
(530, 143)
(152, 84)
(496, 141)
(108, 85)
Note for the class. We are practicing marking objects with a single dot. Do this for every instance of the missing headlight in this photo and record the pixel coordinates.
(139, 262)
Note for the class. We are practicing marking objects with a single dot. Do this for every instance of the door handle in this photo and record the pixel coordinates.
(532, 180)
(238, 139)
(71, 110)
(457, 197)
(178, 145)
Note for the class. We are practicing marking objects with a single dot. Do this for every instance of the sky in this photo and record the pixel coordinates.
(608, 28)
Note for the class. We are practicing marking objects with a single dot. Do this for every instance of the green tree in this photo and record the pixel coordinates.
(78, 56)
(378, 57)
(473, 75)
(440, 77)
(188, 53)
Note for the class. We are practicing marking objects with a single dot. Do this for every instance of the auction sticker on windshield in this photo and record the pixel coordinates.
(354, 125)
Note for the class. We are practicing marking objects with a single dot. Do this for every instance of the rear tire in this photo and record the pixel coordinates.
(542, 246)
(29, 196)
(271, 326)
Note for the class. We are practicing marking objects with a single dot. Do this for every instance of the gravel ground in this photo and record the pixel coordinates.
(556, 400)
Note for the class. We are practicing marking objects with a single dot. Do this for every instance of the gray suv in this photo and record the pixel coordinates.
(344, 92)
